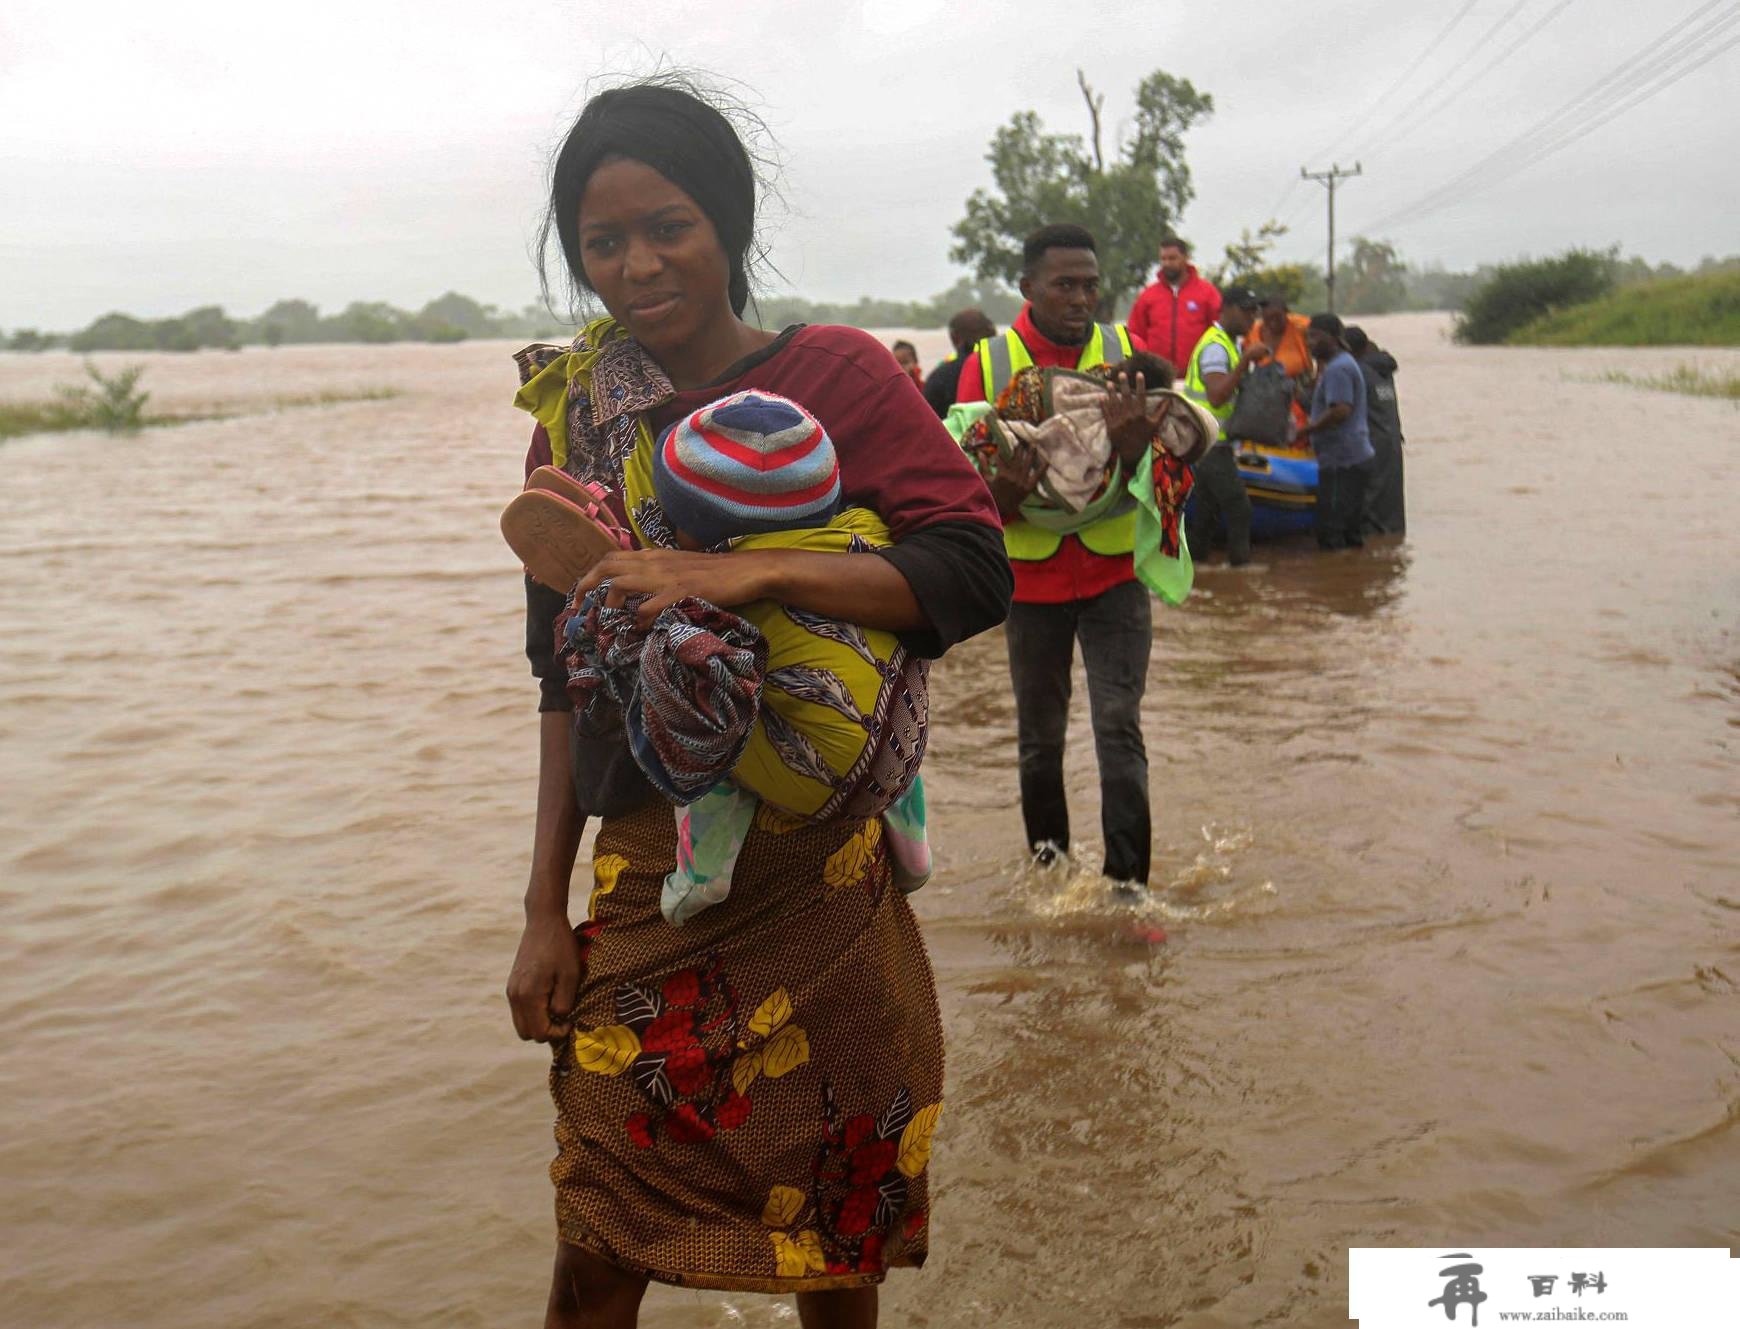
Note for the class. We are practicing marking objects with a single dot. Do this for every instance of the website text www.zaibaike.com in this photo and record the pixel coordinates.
(1573, 1316)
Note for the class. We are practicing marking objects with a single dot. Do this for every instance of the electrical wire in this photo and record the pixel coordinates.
(1401, 81)
(1646, 73)
(1431, 90)
(1401, 129)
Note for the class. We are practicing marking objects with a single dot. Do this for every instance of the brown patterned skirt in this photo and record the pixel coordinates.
(748, 1100)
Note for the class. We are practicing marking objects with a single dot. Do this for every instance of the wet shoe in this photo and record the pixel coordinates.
(1047, 853)
(1130, 892)
(556, 539)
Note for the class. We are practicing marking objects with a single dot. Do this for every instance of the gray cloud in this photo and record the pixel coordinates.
(155, 157)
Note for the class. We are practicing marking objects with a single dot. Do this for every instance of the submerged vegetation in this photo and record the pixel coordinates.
(1691, 380)
(116, 405)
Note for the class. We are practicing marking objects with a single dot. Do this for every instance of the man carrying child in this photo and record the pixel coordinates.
(1072, 587)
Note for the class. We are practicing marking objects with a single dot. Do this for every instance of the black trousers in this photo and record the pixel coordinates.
(1219, 495)
(1340, 516)
(1116, 632)
(1385, 505)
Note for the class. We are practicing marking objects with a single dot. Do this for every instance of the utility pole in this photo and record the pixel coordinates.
(1327, 179)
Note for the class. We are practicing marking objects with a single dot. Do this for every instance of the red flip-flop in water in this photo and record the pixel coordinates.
(559, 529)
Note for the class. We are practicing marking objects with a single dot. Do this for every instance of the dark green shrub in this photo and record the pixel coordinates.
(1519, 293)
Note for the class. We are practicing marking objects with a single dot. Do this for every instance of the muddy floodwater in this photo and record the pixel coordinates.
(1447, 860)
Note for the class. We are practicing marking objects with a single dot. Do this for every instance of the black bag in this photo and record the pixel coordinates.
(1264, 403)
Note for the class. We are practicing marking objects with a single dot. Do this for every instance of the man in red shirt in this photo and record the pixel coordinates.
(1173, 313)
(1078, 587)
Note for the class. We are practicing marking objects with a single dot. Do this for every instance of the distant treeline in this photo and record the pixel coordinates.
(449, 318)
(454, 317)
(1372, 279)
(999, 303)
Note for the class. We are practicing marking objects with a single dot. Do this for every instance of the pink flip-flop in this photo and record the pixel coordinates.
(556, 538)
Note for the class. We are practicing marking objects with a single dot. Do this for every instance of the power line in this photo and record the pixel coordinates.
(1399, 133)
(1401, 80)
(1401, 129)
(1642, 75)
(1519, 155)
(1431, 89)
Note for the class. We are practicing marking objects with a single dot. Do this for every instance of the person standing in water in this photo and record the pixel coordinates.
(747, 1101)
(1339, 436)
(1172, 313)
(1386, 510)
(1214, 374)
(1071, 588)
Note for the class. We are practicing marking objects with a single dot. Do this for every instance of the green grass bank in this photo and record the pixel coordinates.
(1677, 311)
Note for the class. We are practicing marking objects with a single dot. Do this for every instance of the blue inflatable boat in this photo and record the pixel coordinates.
(1282, 483)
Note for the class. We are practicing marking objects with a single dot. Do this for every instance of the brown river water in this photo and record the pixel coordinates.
(1447, 851)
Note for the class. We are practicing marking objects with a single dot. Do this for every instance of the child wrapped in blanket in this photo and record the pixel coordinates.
(727, 711)
(1057, 413)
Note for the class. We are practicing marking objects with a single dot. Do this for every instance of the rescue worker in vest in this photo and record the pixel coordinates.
(967, 329)
(1172, 314)
(1071, 588)
(1216, 369)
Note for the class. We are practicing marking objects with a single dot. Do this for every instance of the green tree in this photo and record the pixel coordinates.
(1374, 277)
(1248, 256)
(1128, 203)
(365, 321)
(209, 326)
(463, 313)
(114, 332)
(1247, 263)
(296, 321)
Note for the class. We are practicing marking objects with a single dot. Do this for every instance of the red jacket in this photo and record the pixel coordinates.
(1173, 324)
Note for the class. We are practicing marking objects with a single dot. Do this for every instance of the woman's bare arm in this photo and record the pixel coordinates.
(870, 592)
(546, 974)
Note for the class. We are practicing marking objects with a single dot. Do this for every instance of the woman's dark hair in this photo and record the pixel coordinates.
(909, 346)
(672, 127)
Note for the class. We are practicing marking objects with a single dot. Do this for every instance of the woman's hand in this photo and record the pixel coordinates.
(857, 588)
(1128, 421)
(545, 981)
(667, 575)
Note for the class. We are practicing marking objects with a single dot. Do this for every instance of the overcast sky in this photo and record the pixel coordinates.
(158, 156)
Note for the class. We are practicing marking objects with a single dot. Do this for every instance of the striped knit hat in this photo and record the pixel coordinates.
(750, 462)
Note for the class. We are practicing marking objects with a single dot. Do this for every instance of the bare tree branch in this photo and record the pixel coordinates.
(1093, 104)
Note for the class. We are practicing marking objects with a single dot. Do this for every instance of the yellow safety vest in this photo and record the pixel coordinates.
(1197, 390)
(1000, 359)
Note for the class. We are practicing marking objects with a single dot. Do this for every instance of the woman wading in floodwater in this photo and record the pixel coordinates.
(745, 1102)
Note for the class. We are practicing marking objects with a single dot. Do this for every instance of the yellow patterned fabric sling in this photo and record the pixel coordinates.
(843, 710)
